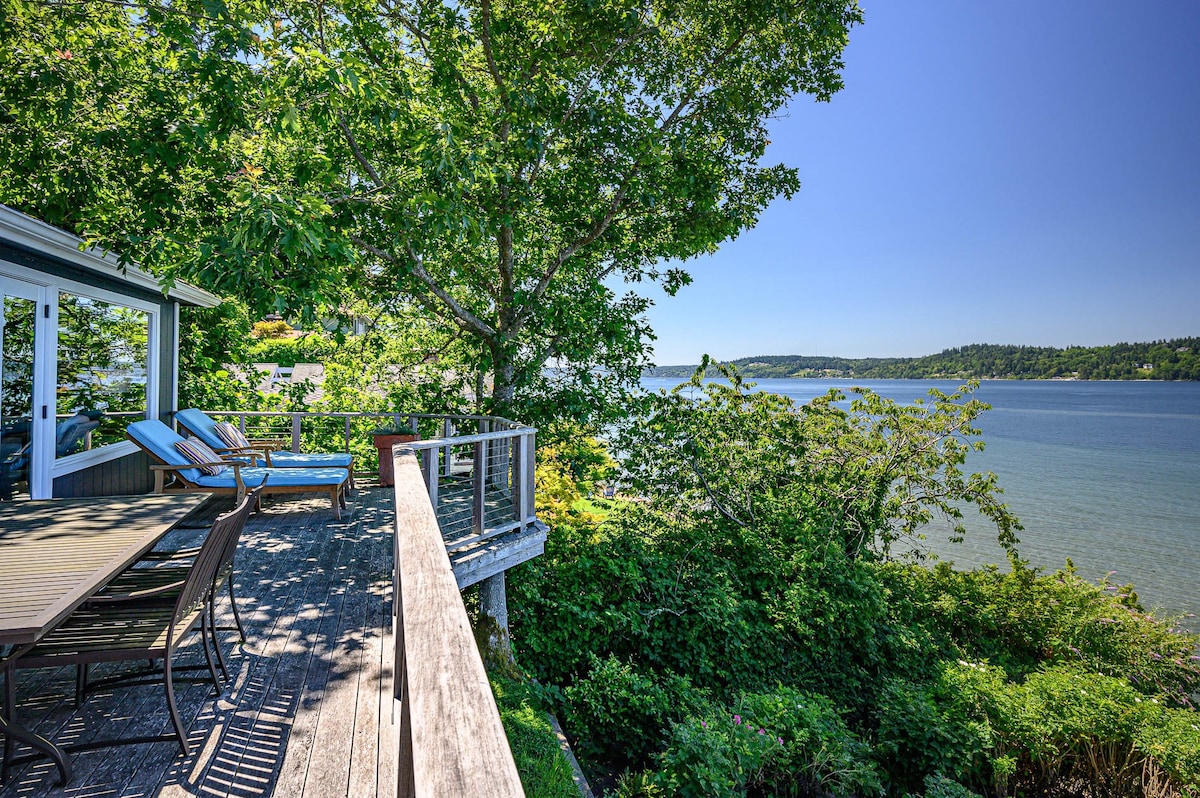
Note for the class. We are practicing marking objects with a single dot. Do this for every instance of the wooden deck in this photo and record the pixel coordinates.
(308, 710)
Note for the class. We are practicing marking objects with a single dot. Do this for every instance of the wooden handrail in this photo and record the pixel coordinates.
(450, 742)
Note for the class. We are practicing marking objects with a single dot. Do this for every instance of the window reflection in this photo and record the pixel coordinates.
(16, 395)
(103, 356)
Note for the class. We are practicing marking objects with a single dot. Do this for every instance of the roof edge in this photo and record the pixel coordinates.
(35, 234)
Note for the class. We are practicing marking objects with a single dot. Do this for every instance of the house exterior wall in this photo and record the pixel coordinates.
(24, 259)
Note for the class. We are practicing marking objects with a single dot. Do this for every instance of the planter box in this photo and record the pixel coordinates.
(384, 443)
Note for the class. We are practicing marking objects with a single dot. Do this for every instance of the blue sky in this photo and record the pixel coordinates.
(1018, 172)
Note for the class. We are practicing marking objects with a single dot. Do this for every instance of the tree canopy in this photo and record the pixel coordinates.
(505, 165)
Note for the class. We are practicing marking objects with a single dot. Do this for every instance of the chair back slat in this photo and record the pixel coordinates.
(218, 547)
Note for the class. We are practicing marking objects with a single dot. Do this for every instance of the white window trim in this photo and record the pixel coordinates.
(46, 355)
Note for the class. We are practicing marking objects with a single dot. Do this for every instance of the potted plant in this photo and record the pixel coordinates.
(385, 438)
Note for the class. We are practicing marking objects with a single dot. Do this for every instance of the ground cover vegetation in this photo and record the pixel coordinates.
(1175, 359)
(763, 619)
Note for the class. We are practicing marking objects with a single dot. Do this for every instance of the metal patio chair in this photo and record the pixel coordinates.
(123, 631)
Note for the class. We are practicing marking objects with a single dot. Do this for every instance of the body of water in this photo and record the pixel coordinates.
(1106, 473)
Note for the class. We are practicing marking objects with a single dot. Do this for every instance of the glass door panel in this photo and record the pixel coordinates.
(18, 322)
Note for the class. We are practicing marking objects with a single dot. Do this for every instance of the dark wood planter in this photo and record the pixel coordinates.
(384, 442)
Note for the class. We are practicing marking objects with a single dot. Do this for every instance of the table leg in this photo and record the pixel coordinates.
(11, 730)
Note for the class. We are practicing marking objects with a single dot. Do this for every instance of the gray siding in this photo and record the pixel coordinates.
(127, 476)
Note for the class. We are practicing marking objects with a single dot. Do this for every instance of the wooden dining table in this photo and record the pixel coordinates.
(54, 555)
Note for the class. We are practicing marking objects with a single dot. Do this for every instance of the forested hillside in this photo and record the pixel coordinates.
(1176, 359)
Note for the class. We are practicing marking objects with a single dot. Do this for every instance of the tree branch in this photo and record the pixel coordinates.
(485, 38)
(354, 149)
(463, 317)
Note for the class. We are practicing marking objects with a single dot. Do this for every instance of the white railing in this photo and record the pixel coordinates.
(478, 470)
(450, 740)
(483, 484)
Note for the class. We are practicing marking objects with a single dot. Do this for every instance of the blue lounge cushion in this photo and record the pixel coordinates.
(204, 428)
(159, 439)
(307, 460)
(280, 477)
(201, 426)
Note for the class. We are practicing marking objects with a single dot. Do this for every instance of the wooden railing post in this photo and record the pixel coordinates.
(429, 468)
(523, 489)
(479, 485)
(295, 432)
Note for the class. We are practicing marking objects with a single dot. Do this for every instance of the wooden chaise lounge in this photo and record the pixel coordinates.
(159, 441)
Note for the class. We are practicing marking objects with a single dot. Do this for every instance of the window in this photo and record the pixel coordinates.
(103, 372)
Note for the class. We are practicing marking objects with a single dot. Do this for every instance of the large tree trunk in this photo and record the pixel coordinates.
(491, 628)
(504, 378)
(491, 632)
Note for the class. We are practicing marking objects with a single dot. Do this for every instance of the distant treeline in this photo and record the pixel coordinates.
(1177, 359)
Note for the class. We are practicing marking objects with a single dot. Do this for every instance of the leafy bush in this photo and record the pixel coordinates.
(783, 743)
(310, 348)
(1083, 732)
(938, 726)
(1022, 621)
(618, 715)
(544, 771)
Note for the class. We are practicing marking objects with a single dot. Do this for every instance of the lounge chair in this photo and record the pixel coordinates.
(202, 425)
(130, 632)
(158, 440)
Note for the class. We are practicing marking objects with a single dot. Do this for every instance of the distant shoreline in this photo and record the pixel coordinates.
(647, 375)
(1175, 360)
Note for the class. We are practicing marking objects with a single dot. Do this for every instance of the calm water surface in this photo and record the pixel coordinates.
(1106, 473)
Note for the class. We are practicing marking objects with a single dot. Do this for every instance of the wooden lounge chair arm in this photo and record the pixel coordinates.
(235, 465)
(244, 451)
(160, 470)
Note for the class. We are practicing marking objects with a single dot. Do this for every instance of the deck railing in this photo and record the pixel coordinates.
(450, 738)
(482, 484)
(468, 479)
(478, 469)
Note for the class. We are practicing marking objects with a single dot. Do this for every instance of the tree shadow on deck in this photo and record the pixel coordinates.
(307, 707)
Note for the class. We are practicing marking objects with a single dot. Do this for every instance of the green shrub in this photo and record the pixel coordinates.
(619, 715)
(783, 743)
(1023, 621)
(937, 726)
(544, 771)
(1068, 726)
(938, 786)
(309, 348)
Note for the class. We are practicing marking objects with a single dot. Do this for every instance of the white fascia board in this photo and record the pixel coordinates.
(41, 237)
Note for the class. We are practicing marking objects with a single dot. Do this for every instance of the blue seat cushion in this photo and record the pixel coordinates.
(280, 478)
(205, 429)
(302, 460)
(201, 426)
(160, 440)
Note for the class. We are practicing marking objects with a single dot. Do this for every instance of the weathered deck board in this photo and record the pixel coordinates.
(315, 598)
(308, 708)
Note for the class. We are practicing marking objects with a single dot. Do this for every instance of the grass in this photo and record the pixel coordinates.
(597, 507)
(544, 771)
